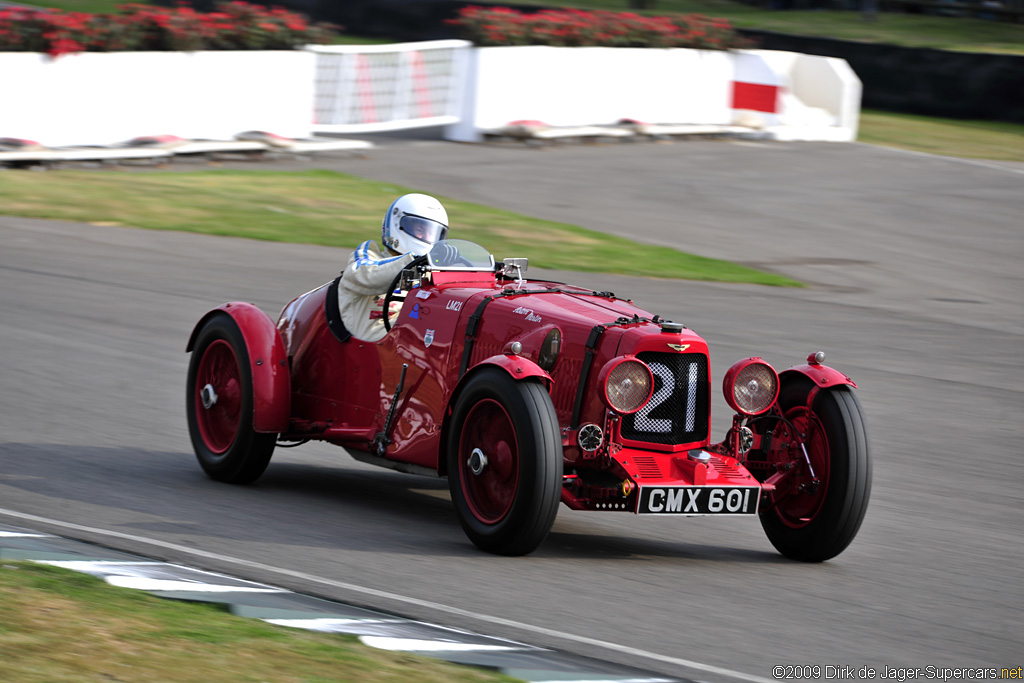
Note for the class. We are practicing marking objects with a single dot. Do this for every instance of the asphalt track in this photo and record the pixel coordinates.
(914, 266)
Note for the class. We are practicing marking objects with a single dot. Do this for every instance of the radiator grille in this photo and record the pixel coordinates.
(678, 410)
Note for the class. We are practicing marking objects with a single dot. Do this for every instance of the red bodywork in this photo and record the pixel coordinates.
(453, 324)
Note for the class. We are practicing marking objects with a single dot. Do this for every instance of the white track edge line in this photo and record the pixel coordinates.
(454, 611)
(963, 160)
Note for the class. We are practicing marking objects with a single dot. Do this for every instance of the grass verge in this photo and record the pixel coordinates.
(972, 139)
(58, 626)
(335, 209)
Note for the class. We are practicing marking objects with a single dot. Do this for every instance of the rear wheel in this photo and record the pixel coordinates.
(219, 406)
(505, 462)
(815, 512)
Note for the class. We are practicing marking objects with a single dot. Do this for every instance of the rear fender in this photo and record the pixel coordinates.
(517, 367)
(268, 363)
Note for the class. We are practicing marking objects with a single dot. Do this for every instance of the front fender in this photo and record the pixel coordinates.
(516, 366)
(268, 363)
(822, 375)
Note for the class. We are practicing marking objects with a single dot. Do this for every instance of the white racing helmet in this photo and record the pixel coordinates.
(413, 223)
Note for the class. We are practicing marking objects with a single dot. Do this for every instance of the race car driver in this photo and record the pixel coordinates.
(412, 225)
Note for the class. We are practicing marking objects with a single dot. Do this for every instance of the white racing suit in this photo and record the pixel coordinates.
(362, 289)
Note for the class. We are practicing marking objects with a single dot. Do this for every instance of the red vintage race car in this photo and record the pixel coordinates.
(527, 393)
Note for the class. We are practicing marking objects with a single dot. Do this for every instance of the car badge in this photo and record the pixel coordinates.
(530, 315)
(428, 338)
(679, 347)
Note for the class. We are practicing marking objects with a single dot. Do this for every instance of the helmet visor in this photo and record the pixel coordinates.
(423, 229)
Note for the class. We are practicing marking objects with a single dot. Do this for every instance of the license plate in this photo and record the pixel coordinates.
(698, 500)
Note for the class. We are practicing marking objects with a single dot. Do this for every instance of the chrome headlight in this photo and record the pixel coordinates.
(751, 386)
(627, 384)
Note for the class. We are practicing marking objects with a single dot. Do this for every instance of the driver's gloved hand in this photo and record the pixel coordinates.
(445, 255)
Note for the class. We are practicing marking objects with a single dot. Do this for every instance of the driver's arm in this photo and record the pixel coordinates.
(369, 275)
(366, 279)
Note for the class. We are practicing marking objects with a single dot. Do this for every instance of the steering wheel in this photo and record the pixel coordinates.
(390, 296)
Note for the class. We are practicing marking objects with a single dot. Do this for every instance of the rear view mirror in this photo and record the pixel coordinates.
(515, 267)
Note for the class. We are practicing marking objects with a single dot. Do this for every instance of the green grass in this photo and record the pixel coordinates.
(911, 30)
(58, 626)
(324, 207)
(972, 139)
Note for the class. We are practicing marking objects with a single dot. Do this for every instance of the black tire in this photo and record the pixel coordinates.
(509, 506)
(227, 447)
(830, 528)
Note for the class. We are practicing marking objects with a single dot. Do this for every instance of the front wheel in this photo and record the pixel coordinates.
(816, 511)
(219, 406)
(505, 462)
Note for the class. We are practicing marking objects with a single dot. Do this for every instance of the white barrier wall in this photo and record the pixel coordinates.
(790, 95)
(591, 85)
(105, 98)
(818, 98)
(830, 84)
(369, 88)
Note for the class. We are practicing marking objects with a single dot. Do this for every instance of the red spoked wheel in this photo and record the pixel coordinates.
(817, 508)
(218, 383)
(504, 462)
(489, 461)
(219, 406)
(798, 500)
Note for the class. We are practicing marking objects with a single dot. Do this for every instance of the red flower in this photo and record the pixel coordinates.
(236, 25)
(505, 26)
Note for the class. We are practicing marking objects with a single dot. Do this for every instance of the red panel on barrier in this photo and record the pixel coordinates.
(421, 85)
(755, 96)
(364, 86)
